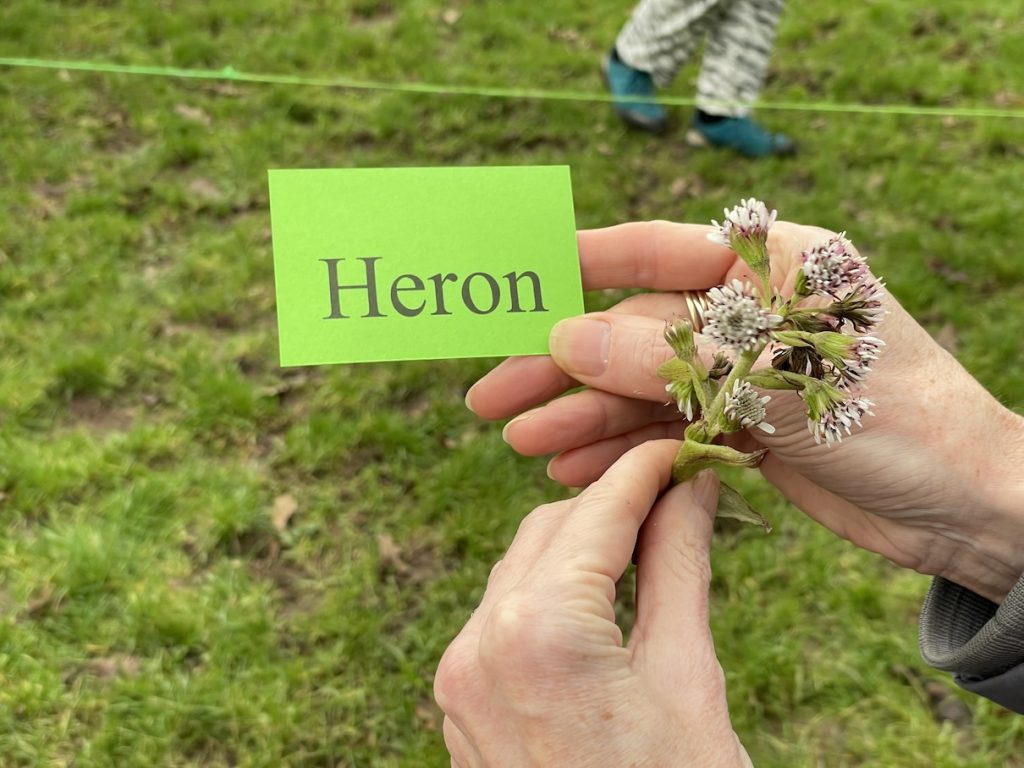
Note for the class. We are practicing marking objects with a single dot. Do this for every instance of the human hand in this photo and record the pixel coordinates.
(932, 482)
(540, 676)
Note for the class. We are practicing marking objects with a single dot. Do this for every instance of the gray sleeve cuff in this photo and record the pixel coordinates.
(1006, 689)
(983, 643)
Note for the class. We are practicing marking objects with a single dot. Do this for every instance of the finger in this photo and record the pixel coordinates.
(664, 306)
(628, 255)
(520, 383)
(583, 466)
(461, 749)
(578, 467)
(515, 385)
(674, 572)
(580, 419)
(654, 254)
(599, 533)
(613, 352)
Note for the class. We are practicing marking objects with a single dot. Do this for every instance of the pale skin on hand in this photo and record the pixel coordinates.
(540, 675)
(933, 481)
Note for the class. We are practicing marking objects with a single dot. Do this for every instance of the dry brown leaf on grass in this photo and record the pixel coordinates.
(192, 114)
(118, 665)
(205, 190)
(45, 600)
(429, 715)
(285, 506)
(390, 554)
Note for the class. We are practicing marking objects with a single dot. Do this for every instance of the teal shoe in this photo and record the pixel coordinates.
(623, 80)
(741, 134)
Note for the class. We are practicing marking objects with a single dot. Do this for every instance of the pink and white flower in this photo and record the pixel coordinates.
(860, 357)
(750, 221)
(745, 409)
(840, 416)
(833, 268)
(735, 319)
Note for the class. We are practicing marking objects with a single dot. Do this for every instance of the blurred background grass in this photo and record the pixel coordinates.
(208, 560)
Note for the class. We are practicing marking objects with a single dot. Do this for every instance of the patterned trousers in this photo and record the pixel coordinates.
(662, 34)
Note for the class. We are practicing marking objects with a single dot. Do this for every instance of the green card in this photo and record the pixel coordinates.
(422, 263)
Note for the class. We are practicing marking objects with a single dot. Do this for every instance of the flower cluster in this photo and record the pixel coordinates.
(745, 409)
(819, 342)
(861, 356)
(748, 221)
(832, 268)
(862, 308)
(840, 416)
(734, 319)
(835, 270)
(745, 230)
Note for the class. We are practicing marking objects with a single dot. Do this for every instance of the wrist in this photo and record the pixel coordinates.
(989, 559)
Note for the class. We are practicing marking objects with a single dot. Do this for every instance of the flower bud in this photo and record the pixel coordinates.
(679, 336)
(744, 409)
(745, 230)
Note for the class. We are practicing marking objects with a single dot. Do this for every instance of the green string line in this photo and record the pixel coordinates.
(231, 74)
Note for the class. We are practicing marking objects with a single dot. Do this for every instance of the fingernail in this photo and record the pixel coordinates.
(705, 489)
(469, 395)
(520, 418)
(548, 471)
(580, 345)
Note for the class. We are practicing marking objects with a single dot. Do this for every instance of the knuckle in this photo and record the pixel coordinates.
(535, 523)
(506, 632)
(518, 640)
(453, 742)
(529, 643)
(552, 509)
(540, 516)
(456, 679)
(492, 576)
(697, 566)
(597, 421)
(650, 351)
(689, 563)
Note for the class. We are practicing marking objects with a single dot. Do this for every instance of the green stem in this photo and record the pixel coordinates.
(741, 368)
(694, 456)
(700, 382)
(790, 311)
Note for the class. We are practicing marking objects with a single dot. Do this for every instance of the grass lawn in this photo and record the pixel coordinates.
(207, 560)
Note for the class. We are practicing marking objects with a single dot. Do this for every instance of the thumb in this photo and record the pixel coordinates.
(614, 352)
(674, 571)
